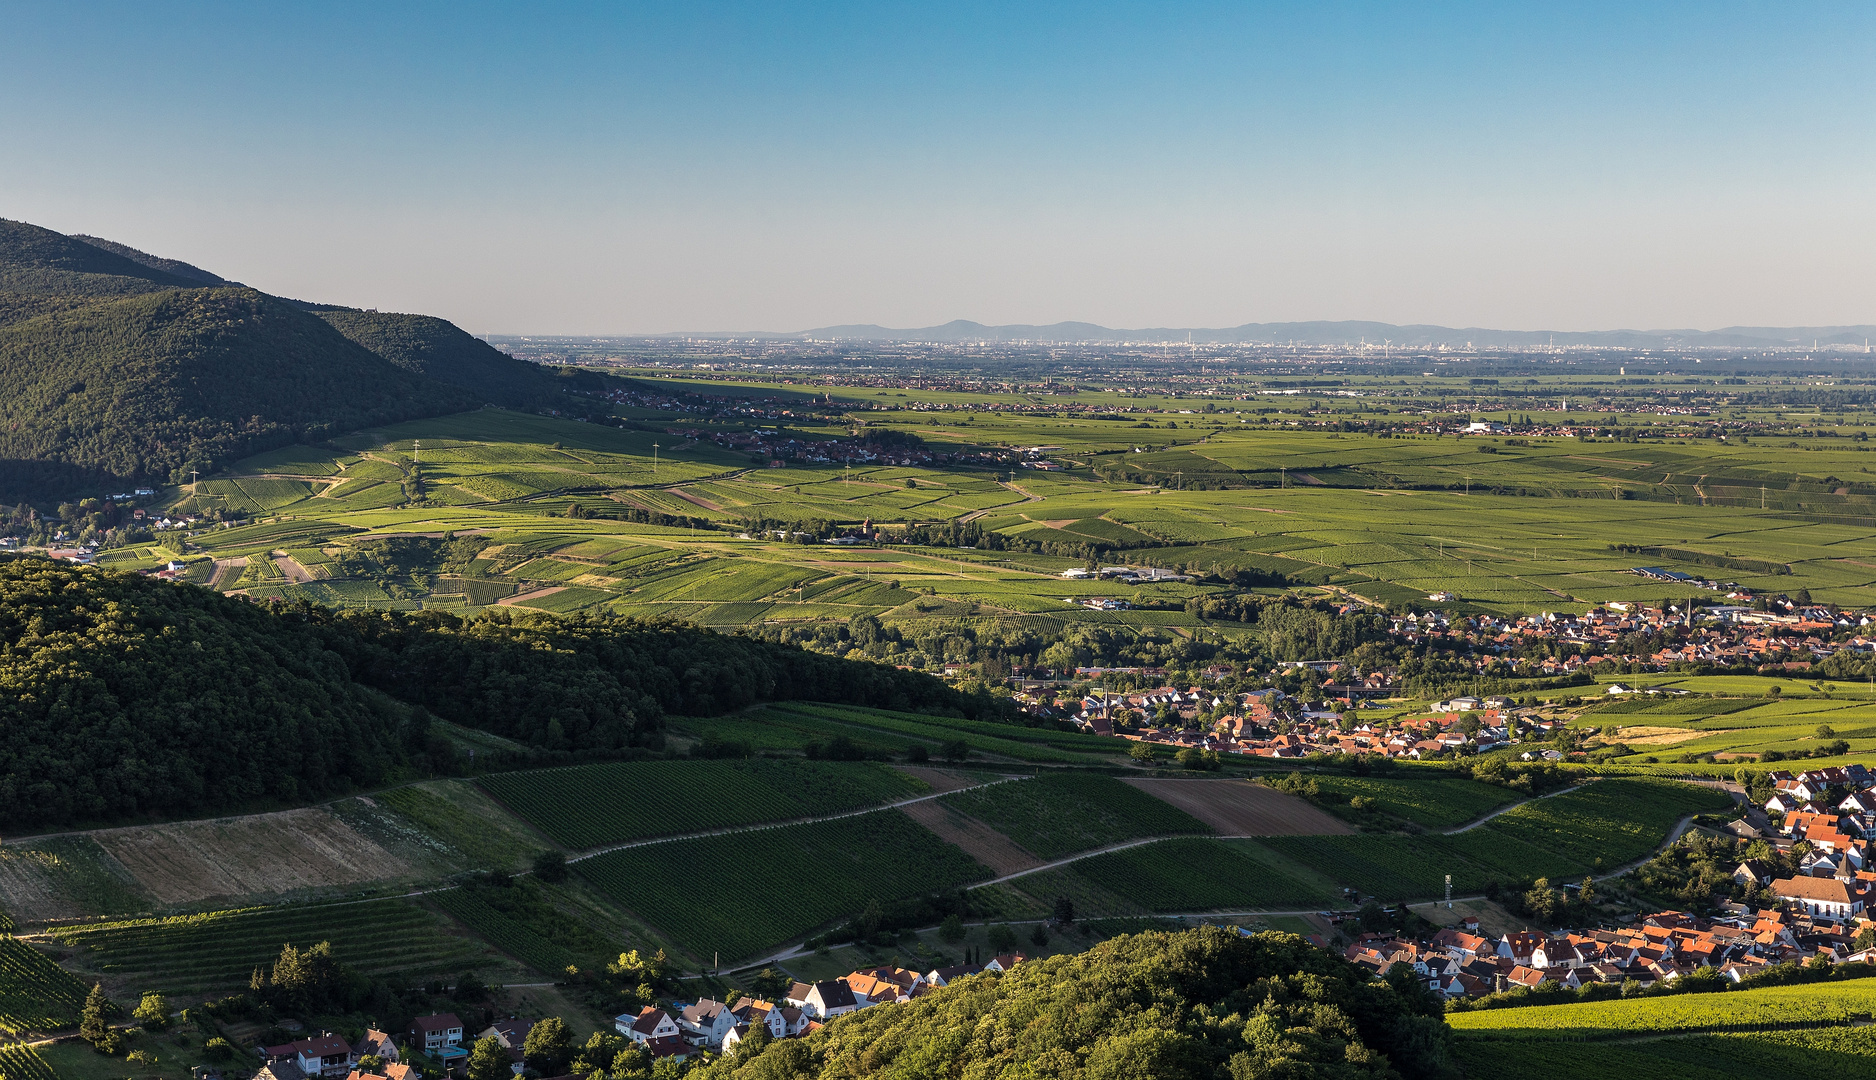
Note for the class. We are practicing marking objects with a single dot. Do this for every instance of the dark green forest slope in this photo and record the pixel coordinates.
(174, 267)
(124, 696)
(441, 350)
(142, 386)
(1201, 1004)
(36, 260)
(124, 367)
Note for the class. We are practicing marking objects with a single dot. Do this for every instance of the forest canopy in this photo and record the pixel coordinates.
(1154, 1006)
(122, 696)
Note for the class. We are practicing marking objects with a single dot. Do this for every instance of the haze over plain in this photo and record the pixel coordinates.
(734, 167)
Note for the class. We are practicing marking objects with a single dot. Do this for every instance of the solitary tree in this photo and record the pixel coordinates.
(1064, 911)
(489, 1060)
(548, 1047)
(91, 1023)
(152, 1012)
(550, 866)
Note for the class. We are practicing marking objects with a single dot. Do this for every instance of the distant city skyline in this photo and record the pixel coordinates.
(661, 168)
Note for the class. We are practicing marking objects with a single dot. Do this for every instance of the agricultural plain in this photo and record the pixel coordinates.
(1528, 526)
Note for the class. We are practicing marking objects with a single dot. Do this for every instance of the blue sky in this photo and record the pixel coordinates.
(595, 168)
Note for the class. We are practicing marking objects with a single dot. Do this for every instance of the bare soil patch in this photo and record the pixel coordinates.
(1241, 808)
(691, 497)
(984, 843)
(27, 889)
(535, 595)
(291, 567)
(265, 854)
(1641, 735)
(227, 571)
(941, 780)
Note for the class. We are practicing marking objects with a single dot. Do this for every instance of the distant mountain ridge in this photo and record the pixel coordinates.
(121, 366)
(1350, 332)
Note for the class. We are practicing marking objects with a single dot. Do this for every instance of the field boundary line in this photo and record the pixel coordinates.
(596, 852)
(1469, 826)
(1123, 846)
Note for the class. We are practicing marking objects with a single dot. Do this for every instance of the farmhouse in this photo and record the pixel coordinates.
(326, 1055)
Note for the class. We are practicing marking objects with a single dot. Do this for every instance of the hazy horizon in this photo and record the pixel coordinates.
(662, 169)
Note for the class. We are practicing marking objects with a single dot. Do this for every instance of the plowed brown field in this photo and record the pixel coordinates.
(984, 843)
(1241, 808)
(266, 854)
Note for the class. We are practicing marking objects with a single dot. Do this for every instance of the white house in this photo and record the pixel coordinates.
(823, 1000)
(648, 1025)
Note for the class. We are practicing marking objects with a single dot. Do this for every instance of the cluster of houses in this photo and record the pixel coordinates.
(1790, 635)
(1833, 813)
(691, 1028)
(1459, 962)
(326, 1055)
(1269, 723)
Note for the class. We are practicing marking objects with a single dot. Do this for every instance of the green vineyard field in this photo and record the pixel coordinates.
(1769, 1055)
(21, 1062)
(741, 893)
(1062, 813)
(586, 806)
(1744, 1010)
(219, 949)
(36, 995)
(512, 936)
(1196, 875)
(1430, 798)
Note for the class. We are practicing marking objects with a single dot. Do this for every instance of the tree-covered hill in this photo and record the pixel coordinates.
(122, 696)
(174, 267)
(441, 350)
(124, 367)
(145, 386)
(1206, 1003)
(36, 260)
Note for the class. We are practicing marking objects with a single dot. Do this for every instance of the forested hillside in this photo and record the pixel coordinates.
(175, 267)
(441, 350)
(36, 260)
(1200, 1004)
(148, 385)
(123, 696)
(124, 367)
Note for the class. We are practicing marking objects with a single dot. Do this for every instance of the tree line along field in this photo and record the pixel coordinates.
(1034, 745)
(218, 950)
(586, 806)
(798, 726)
(741, 893)
(1061, 813)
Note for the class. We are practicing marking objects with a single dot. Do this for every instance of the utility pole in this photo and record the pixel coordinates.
(654, 459)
